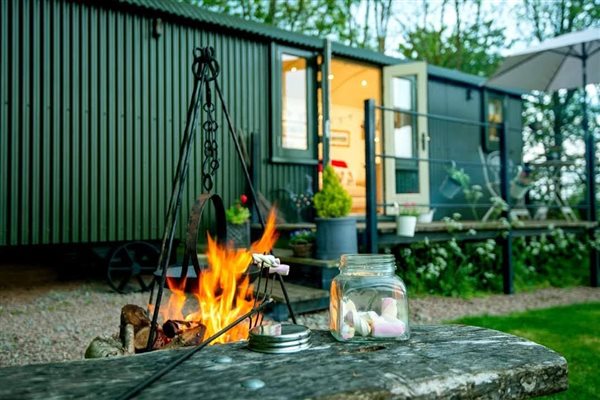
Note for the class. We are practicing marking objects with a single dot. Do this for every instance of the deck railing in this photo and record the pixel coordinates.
(548, 186)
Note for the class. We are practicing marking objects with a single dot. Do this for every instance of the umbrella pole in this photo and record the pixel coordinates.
(590, 162)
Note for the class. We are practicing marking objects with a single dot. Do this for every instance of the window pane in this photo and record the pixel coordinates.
(494, 116)
(403, 135)
(294, 130)
(404, 127)
(402, 91)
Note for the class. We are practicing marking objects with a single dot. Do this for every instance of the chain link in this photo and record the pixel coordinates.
(210, 163)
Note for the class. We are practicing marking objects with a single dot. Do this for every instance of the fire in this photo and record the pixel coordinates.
(224, 292)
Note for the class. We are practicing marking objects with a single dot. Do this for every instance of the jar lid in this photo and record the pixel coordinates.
(279, 338)
(280, 350)
(279, 333)
(262, 343)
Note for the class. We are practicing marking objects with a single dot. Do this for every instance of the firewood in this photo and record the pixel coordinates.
(127, 338)
(140, 340)
(104, 347)
(174, 327)
(190, 337)
(134, 315)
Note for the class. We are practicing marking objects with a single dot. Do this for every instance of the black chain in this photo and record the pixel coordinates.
(210, 164)
(210, 149)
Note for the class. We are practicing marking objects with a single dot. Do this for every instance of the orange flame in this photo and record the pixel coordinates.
(224, 292)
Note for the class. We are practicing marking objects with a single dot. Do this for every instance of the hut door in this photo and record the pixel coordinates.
(405, 135)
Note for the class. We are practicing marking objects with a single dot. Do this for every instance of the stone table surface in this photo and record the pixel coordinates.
(439, 361)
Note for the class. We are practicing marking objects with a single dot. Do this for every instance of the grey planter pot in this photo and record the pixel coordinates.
(335, 236)
(239, 235)
(450, 187)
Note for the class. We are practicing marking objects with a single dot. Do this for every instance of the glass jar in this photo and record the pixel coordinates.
(368, 300)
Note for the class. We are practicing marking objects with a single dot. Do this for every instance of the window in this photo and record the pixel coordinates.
(494, 115)
(293, 97)
(294, 115)
(405, 135)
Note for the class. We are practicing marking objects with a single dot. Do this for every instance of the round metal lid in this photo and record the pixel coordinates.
(265, 344)
(280, 350)
(279, 333)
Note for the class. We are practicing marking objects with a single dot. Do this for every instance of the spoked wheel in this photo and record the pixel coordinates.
(131, 267)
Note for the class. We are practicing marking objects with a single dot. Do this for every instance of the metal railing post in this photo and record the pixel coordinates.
(507, 264)
(371, 217)
(325, 100)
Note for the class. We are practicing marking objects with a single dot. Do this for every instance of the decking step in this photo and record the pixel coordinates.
(303, 299)
(308, 271)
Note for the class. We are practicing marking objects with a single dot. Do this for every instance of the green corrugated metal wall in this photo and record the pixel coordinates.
(92, 112)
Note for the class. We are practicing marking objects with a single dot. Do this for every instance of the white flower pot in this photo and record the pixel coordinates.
(405, 225)
(426, 218)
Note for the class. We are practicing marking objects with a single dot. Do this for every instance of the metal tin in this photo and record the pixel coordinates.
(281, 350)
(279, 332)
(279, 338)
(261, 343)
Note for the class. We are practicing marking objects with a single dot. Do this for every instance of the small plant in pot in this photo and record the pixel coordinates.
(456, 179)
(406, 219)
(302, 243)
(238, 223)
(336, 231)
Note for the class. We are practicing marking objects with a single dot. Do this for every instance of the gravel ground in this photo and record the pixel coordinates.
(46, 320)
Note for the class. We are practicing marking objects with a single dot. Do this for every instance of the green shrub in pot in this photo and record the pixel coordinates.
(336, 231)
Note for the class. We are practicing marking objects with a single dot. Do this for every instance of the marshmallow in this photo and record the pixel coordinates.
(281, 269)
(383, 328)
(389, 308)
(362, 326)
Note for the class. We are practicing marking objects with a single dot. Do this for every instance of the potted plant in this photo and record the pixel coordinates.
(238, 223)
(454, 182)
(302, 242)
(336, 231)
(406, 219)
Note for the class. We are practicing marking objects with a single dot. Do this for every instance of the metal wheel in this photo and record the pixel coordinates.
(131, 267)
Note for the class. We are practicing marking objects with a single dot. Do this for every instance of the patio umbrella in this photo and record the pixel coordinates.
(564, 62)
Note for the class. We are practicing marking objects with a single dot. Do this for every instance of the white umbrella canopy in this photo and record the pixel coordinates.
(556, 63)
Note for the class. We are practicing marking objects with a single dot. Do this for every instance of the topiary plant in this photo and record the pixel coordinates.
(333, 201)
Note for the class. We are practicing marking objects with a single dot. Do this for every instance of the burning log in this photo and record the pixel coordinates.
(190, 337)
(141, 339)
(174, 327)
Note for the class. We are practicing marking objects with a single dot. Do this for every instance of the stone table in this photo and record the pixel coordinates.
(439, 361)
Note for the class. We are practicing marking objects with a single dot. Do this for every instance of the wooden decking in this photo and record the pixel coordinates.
(462, 230)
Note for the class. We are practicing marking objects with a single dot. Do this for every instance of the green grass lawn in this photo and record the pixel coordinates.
(572, 331)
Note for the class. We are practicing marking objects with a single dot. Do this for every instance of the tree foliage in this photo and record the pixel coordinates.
(470, 45)
(321, 18)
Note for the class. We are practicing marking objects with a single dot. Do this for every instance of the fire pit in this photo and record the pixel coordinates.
(227, 307)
